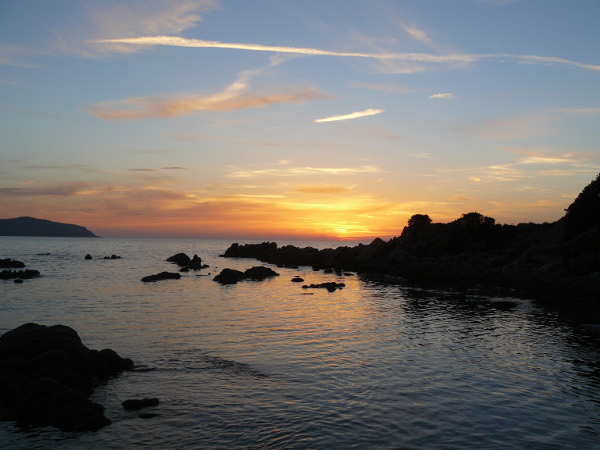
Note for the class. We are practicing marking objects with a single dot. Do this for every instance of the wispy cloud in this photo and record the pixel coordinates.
(582, 111)
(322, 189)
(235, 96)
(443, 96)
(354, 115)
(295, 171)
(395, 88)
(53, 190)
(80, 25)
(410, 57)
(418, 34)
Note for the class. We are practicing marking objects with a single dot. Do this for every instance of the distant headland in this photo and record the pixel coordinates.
(30, 226)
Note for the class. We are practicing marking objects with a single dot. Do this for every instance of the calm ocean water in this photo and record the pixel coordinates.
(270, 365)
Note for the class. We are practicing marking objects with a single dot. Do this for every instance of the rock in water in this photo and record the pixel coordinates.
(135, 405)
(162, 276)
(47, 376)
(181, 259)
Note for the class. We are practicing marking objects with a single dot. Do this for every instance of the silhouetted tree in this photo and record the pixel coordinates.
(584, 212)
(474, 221)
(419, 219)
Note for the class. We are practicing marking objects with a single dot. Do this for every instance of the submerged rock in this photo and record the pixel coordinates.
(112, 257)
(88, 256)
(137, 404)
(162, 276)
(47, 376)
(330, 286)
(297, 279)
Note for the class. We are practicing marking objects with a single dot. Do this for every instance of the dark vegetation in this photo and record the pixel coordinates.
(30, 226)
(557, 261)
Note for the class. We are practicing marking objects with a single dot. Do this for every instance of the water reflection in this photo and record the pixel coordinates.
(264, 365)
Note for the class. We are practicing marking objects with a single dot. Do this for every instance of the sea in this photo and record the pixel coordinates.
(269, 364)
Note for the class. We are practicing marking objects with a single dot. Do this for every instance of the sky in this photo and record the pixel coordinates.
(295, 119)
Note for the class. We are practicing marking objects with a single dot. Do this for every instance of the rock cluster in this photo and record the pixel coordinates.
(47, 376)
(256, 273)
(186, 263)
(19, 274)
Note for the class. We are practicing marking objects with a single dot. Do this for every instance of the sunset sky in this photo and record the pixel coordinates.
(267, 119)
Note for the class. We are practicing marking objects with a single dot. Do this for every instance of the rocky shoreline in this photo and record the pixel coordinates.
(555, 262)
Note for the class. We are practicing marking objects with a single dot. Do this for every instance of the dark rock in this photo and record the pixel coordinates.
(18, 280)
(112, 257)
(256, 273)
(162, 276)
(184, 269)
(11, 264)
(88, 256)
(147, 415)
(137, 404)
(22, 274)
(297, 280)
(259, 273)
(181, 259)
(229, 276)
(330, 286)
(196, 263)
(47, 375)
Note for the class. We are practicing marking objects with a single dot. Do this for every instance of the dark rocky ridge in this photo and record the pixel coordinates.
(30, 226)
(557, 261)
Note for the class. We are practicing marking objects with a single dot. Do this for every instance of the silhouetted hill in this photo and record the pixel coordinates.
(30, 226)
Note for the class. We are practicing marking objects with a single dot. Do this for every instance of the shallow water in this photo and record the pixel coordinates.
(269, 364)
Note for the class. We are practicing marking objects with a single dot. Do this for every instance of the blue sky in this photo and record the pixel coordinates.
(300, 119)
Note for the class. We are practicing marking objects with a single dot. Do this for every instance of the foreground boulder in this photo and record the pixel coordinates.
(162, 276)
(47, 376)
(256, 273)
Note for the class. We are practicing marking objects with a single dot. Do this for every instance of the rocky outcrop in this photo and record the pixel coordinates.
(11, 264)
(256, 273)
(47, 376)
(162, 276)
(181, 259)
(112, 257)
(557, 261)
(19, 274)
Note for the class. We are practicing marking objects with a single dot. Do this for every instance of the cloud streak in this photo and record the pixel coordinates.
(442, 96)
(235, 96)
(354, 115)
(295, 171)
(455, 58)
